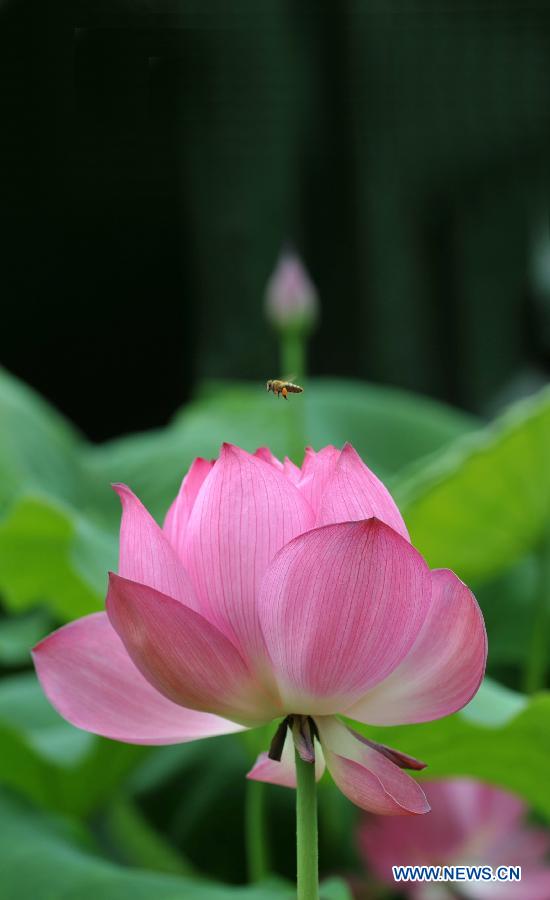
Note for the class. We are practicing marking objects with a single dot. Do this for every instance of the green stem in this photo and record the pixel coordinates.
(293, 361)
(306, 830)
(256, 844)
(537, 662)
(293, 355)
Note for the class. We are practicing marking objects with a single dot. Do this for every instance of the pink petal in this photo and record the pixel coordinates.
(470, 823)
(425, 841)
(175, 523)
(292, 471)
(534, 885)
(182, 655)
(519, 846)
(310, 457)
(340, 607)
(268, 457)
(366, 777)
(283, 773)
(91, 681)
(146, 556)
(317, 470)
(443, 669)
(246, 511)
(476, 807)
(352, 492)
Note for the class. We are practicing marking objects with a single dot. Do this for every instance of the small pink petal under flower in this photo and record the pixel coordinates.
(368, 778)
(443, 669)
(340, 607)
(403, 760)
(145, 554)
(183, 656)
(246, 511)
(283, 772)
(177, 517)
(91, 681)
(353, 492)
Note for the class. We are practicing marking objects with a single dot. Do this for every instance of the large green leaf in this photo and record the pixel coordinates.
(501, 737)
(507, 602)
(50, 553)
(49, 761)
(38, 447)
(42, 858)
(485, 501)
(18, 633)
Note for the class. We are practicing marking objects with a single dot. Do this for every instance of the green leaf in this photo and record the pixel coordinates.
(38, 447)
(51, 554)
(19, 634)
(508, 610)
(138, 843)
(335, 889)
(63, 865)
(57, 766)
(484, 502)
(494, 704)
(502, 738)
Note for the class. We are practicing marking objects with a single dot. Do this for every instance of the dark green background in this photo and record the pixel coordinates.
(156, 154)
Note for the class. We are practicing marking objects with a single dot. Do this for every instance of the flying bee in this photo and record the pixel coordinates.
(282, 387)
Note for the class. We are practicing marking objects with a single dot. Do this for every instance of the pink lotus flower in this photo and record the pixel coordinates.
(273, 592)
(471, 823)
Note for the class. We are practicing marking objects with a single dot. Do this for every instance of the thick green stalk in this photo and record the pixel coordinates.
(255, 836)
(537, 658)
(293, 354)
(306, 831)
(293, 361)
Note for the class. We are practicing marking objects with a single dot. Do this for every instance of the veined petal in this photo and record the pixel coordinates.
(91, 681)
(317, 470)
(365, 776)
(352, 492)
(340, 607)
(283, 772)
(184, 656)
(442, 670)
(175, 523)
(246, 511)
(145, 554)
(292, 471)
(269, 457)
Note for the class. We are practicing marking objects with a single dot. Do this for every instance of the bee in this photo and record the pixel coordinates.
(282, 387)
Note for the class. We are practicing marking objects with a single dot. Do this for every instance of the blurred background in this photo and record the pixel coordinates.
(156, 155)
(155, 158)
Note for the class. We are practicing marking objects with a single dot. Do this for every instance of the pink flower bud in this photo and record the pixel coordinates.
(291, 297)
